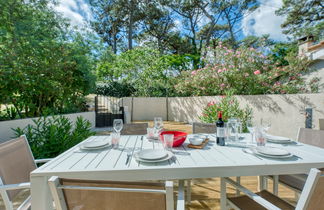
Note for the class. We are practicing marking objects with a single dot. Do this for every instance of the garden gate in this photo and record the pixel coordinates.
(107, 109)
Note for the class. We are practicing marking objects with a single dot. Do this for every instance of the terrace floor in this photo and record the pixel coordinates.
(205, 192)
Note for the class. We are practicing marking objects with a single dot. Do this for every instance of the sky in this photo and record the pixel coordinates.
(261, 21)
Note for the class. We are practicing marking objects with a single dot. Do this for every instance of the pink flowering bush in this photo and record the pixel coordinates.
(243, 71)
(230, 108)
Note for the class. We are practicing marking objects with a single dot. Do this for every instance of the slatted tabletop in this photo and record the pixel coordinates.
(210, 158)
(212, 161)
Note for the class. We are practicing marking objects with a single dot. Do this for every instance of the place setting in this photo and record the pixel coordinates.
(168, 139)
(95, 145)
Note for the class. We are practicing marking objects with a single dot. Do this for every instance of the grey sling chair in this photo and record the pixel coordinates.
(16, 161)
(134, 129)
(296, 182)
(106, 195)
(312, 196)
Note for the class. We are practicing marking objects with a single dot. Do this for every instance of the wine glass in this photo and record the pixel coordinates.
(250, 126)
(158, 124)
(266, 124)
(118, 125)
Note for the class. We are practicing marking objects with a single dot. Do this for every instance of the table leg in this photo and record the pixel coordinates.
(181, 197)
(188, 191)
(275, 184)
(40, 192)
(238, 180)
(222, 193)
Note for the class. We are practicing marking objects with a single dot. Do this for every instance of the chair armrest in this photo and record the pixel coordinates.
(23, 185)
(252, 195)
(43, 160)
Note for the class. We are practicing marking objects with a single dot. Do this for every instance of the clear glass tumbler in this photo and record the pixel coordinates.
(260, 136)
(168, 141)
(115, 138)
(150, 133)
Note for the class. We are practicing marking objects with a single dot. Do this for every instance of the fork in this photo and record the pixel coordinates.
(129, 154)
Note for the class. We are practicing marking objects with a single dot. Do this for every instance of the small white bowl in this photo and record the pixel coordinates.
(196, 141)
(200, 135)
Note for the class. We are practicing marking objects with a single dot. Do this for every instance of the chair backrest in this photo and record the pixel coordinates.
(321, 124)
(312, 137)
(92, 195)
(203, 127)
(312, 196)
(134, 129)
(16, 162)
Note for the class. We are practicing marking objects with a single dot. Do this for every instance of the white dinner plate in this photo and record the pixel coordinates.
(94, 144)
(152, 154)
(273, 151)
(167, 157)
(275, 156)
(94, 148)
(278, 139)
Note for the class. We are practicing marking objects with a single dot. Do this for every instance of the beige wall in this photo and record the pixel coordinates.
(147, 108)
(286, 112)
(318, 71)
(7, 133)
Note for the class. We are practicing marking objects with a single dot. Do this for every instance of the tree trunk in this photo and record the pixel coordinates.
(130, 26)
(115, 43)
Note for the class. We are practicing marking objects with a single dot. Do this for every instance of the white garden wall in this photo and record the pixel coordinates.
(7, 133)
(285, 111)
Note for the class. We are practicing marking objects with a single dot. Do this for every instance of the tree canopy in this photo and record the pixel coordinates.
(44, 67)
(303, 17)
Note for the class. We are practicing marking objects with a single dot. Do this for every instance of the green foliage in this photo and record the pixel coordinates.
(244, 71)
(44, 67)
(280, 51)
(115, 89)
(143, 72)
(50, 136)
(230, 108)
(303, 18)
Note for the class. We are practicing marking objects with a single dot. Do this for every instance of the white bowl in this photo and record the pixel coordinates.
(200, 135)
(196, 141)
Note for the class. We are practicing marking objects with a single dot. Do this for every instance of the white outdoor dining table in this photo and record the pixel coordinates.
(212, 161)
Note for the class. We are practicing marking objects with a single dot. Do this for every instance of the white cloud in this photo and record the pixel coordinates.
(265, 21)
(77, 11)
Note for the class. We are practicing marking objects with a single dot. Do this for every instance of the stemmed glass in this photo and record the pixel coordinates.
(115, 136)
(266, 124)
(158, 124)
(250, 126)
(118, 125)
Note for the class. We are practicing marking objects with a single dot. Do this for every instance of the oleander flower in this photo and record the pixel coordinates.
(257, 72)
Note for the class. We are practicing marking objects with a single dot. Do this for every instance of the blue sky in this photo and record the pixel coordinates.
(262, 21)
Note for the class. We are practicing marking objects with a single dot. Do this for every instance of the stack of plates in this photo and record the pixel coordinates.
(153, 155)
(272, 152)
(93, 145)
(278, 139)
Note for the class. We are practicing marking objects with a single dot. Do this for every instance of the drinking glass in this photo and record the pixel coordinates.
(150, 133)
(115, 138)
(266, 124)
(168, 141)
(158, 124)
(232, 126)
(260, 136)
(118, 125)
(250, 127)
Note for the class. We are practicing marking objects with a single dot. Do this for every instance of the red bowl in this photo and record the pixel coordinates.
(179, 137)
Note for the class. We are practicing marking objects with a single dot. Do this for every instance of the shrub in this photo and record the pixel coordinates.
(50, 136)
(230, 108)
(244, 71)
